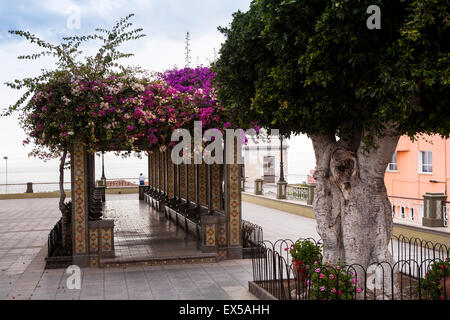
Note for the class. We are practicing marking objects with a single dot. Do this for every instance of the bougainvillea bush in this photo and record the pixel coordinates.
(119, 112)
(189, 80)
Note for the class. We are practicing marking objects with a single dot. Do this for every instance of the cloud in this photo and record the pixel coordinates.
(164, 21)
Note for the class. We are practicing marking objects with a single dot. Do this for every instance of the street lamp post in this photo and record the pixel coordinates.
(281, 160)
(6, 160)
(103, 178)
(281, 184)
(103, 166)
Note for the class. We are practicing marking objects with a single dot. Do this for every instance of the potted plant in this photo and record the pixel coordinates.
(305, 254)
(436, 283)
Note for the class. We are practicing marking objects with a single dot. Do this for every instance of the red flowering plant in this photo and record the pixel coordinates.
(435, 285)
(332, 282)
(305, 254)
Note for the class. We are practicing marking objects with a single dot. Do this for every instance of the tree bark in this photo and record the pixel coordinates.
(62, 206)
(353, 212)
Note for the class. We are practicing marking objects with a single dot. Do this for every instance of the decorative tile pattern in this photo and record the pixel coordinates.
(216, 187)
(202, 176)
(162, 262)
(78, 160)
(153, 169)
(235, 205)
(191, 185)
(183, 181)
(93, 240)
(161, 171)
(210, 235)
(93, 262)
(157, 171)
(223, 255)
(150, 169)
(170, 173)
(222, 238)
(106, 239)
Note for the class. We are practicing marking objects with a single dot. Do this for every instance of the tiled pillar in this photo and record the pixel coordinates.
(170, 176)
(154, 170)
(233, 207)
(191, 181)
(182, 168)
(150, 174)
(158, 170)
(203, 184)
(216, 187)
(79, 172)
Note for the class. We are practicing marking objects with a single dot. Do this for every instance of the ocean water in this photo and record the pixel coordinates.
(300, 161)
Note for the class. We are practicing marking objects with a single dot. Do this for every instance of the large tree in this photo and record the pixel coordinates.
(314, 67)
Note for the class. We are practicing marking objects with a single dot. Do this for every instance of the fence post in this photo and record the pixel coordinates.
(433, 209)
(311, 188)
(29, 187)
(259, 186)
(281, 189)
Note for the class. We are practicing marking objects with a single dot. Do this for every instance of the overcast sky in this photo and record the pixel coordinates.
(165, 22)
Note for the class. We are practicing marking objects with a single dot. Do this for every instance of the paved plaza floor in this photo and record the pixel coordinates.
(140, 232)
(25, 224)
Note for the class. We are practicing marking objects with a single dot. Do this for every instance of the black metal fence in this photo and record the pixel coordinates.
(419, 271)
(54, 237)
(252, 235)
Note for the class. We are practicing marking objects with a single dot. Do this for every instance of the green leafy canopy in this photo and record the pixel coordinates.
(313, 66)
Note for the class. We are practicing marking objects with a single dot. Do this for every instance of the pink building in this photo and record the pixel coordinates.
(417, 168)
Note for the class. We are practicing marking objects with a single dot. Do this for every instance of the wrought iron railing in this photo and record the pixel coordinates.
(54, 238)
(405, 278)
(252, 235)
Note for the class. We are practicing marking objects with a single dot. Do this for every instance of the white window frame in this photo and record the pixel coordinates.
(429, 154)
(393, 166)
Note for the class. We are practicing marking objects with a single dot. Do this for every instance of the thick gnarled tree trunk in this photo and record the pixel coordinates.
(353, 212)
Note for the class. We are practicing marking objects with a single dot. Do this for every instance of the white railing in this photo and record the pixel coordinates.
(297, 193)
(47, 187)
(408, 209)
(123, 183)
(39, 187)
(445, 210)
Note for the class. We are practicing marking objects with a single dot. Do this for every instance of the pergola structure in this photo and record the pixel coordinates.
(203, 199)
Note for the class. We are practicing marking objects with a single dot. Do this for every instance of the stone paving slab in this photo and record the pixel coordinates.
(23, 236)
